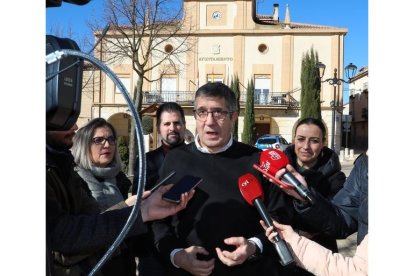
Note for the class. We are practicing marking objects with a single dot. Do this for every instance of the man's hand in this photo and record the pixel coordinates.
(130, 201)
(243, 250)
(154, 207)
(145, 194)
(187, 260)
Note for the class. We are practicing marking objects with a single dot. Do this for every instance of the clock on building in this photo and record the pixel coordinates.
(216, 15)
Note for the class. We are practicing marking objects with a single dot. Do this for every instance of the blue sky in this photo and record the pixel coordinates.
(350, 14)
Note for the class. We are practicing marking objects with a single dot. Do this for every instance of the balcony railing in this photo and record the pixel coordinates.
(261, 99)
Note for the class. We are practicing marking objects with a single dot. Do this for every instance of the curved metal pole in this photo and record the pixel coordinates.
(53, 57)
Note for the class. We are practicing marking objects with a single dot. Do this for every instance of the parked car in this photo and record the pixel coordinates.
(271, 141)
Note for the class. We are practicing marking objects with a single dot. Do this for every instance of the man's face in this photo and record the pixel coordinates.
(214, 134)
(171, 128)
(61, 139)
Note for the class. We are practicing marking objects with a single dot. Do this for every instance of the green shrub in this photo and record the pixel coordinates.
(123, 153)
(147, 125)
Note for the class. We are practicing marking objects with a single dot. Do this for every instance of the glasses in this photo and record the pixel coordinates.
(217, 114)
(102, 140)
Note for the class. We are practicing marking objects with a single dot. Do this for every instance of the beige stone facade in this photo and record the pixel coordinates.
(227, 41)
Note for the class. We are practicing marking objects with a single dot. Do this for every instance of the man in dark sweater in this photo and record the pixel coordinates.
(170, 127)
(219, 232)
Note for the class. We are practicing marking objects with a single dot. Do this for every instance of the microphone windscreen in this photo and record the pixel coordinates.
(272, 160)
(250, 188)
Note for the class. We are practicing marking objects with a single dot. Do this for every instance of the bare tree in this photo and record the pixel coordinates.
(139, 31)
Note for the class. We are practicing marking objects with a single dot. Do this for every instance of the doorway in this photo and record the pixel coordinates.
(260, 129)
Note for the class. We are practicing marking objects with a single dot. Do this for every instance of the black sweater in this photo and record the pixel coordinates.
(218, 210)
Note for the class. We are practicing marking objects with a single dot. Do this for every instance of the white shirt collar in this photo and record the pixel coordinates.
(204, 150)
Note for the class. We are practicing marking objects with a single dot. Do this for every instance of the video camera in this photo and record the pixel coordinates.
(63, 85)
(63, 80)
(58, 3)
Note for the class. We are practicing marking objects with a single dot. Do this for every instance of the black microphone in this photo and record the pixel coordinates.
(252, 192)
(273, 160)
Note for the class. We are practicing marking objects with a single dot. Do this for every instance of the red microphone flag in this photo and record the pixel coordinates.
(273, 160)
(250, 188)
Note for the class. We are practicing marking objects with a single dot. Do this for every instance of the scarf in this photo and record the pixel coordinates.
(102, 184)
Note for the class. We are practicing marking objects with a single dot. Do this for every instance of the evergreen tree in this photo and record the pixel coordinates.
(310, 101)
(123, 153)
(236, 89)
(147, 124)
(247, 136)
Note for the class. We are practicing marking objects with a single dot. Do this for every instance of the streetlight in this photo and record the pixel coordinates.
(350, 70)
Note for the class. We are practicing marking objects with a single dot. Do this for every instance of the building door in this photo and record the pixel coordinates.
(259, 130)
(168, 89)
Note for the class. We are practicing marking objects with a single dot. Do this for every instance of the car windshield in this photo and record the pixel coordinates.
(267, 141)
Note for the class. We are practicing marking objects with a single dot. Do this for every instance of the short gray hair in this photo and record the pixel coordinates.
(81, 149)
(218, 90)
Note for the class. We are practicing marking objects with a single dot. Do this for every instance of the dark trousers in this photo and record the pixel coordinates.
(151, 266)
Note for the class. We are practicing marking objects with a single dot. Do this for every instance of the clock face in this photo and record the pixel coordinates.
(216, 15)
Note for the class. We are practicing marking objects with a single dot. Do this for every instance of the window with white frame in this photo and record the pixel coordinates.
(215, 78)
(261, 89)
(169, 88)
(126, 81)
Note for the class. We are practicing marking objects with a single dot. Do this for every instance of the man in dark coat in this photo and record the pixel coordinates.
(170, 127)
(219, 233)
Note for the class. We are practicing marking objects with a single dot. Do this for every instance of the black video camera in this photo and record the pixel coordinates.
(58, 3)
(63, 85)
(63, 80)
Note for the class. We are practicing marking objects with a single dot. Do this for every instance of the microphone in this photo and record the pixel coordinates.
(252, 192)
(271, 161)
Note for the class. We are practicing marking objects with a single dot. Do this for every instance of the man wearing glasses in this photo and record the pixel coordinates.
(218, 233)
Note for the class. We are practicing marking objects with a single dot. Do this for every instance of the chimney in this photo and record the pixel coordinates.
(276, 12)
(287, 17)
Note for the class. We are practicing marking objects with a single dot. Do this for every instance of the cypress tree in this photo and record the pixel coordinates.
(236, 89)
(247, 136)
(310, 101)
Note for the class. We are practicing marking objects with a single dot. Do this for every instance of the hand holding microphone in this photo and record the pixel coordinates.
(252, 192)
(273, 160)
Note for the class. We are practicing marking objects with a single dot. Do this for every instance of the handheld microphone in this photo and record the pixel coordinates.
(252, 192)
(273, 160)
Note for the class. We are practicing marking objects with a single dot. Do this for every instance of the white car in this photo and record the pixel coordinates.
(271, 141)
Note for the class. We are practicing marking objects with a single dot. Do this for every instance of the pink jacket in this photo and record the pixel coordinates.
(321, 261)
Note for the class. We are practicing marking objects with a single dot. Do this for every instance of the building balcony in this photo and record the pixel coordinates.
(261, 99)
